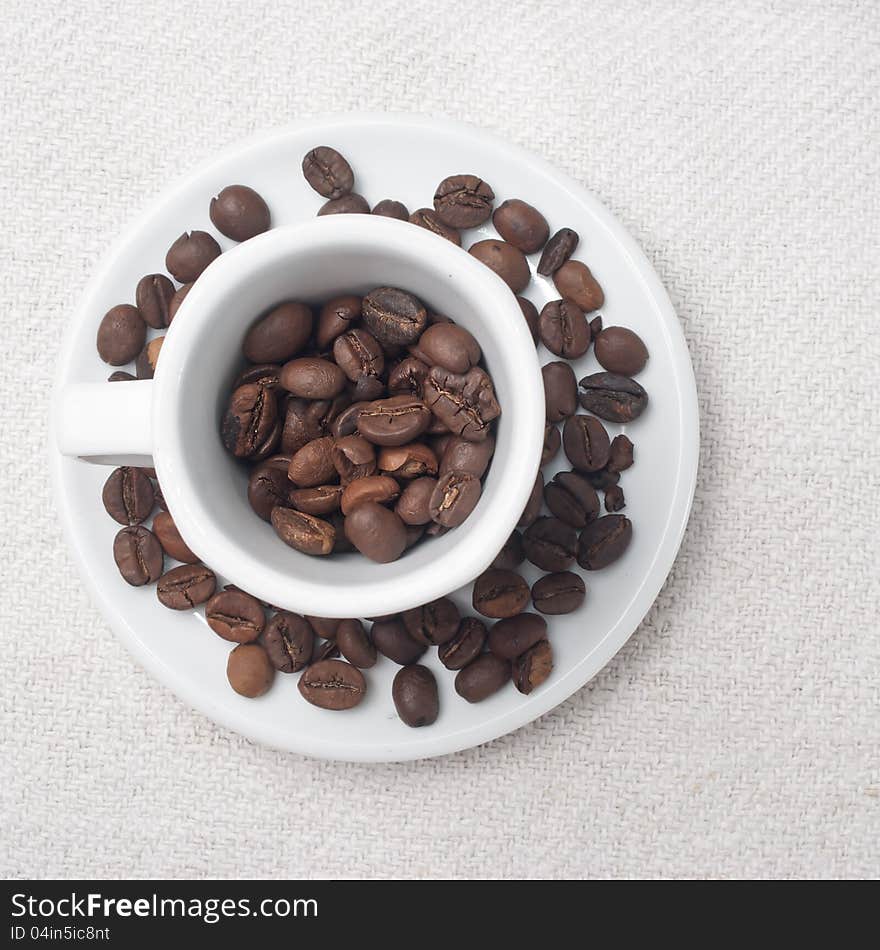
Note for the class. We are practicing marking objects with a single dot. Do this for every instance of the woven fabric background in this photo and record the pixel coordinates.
(737, 732)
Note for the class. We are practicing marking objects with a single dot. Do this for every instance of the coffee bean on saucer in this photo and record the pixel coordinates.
(575, 281)
(312, 378)
(603, 542)
(305, 533)
(392, 640)
(347, 204)
(433, 623)
(511, 637)
(466, 403)
(550, 544)
(482, 677)
(414, 505)
(190, 254)
(530, 313)
(449, 346)
(388, 208)
(413, 460)
(620, 455)
(128, 495)
(464, 456)
(621, 351)
(533, 505)
(506, 260)
(521, 225)
(328, 172)
(564, 329)
(121, 335)
(355, 645)
(465, 646)
(559, 593)
(169, 537)
(235, 615)
(572, 498)
(250, 420)
(153, 296)
(596, 325)
(325, 627)
(332, 684)
(613, 397)
(280, 335)
(532, 668)
(120, 377)
(603, 479)
(552, 441)
(558, 250)
(377, 532)
(186, 586)
(239, 213)
(415, 696)
(378, 489)
(249, 670)
(463, 201)
(500, 593)
(614, 499)
(325, 651)
(393, 421)
(353, 458)
(177, 300)
(138, 555)
(454, 498)
(586, 442)
(148, 359)
(289, 641)
(320, 500)
(393, 316)
(560, 390)
(511, 555)
(428, 219)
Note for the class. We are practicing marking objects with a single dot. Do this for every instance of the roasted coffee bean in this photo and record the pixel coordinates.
(367, 389)
(414, 505)
(153, 296)
(128, 495)
(355, 645)
(190, 254)
(466, 404)
(138, 555)
(559, 593)
(460, 455)
(393, 316)
(278, 336)
(239, 213)
(620, 455)
(414, 534)
(312, 378)
(440, 443)
(268, 487)
(392, 640)
(393, 421)
(602, 542)
(621, 351)
(533, 505)
(603, 479)
(169, 537)
(346, 422)
(353, 457)
(433, 623)
(586, 443)
(289, 641)
(377, 532)
(428, 219)
(249, 670)
(558, 250)
(388, 208)
(303, 532)
(266, 374)
(358, 353)
(521, 225)
(337, 316)
(465, 646)
(332, 684)
(415, 696)
(463, 201)
(186, 586)
(454, 498)
(328, 172)
(511, 637)
(325, 627)
(235, 615)
(177, 300)
(612, 397)
(407, 377)
(249, 420)
(560, 391)
(325, 651)
(564, 329)
(408, 461)
(321, 500)
(120, 377)
(531, 669)
(574, 281)
(148, 359)
(450, 346)
(121, 335)
(499, 593)
(303, 423)
(550, 544)
(506, 260)
(596, 326)
(482, 677)
(614, 499)
(379, 489)
(552, 441)
(347, 204)
(511, 555)
(530, 313)
(572, 499)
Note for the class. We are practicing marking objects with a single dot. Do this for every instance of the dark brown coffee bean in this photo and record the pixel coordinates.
(428, 219)
(586, 443)
(379, 489)
(550, 544)
(500, 593)
(415, 696)
(346, 422)
(337, 316)
(596, 326)
(572, 499)
(620, 455)
(454, 498)
(332, 684)
(614, 499)
(270, 445)
(612, 397)
(347, 204)
(355, 645)
(413, 460)
(278, 336)
(463, 456)
(564, 329)
(153, 297)
(407, 377)
(393, 316)
(367, 389)
(239, 213)
(449, 346)
(466, 404)
(414, 505)
(268, 487)
(533, 505)
(190, 254)
(325, 627)
(169, 537)
(531, 669)
(138, 555)
(552, 441)
(148, 359)
(121, 335)
(312, 378)
(177, 300)
(388, 208)
(521, 225)
(558, 250)
(575, 282)
(328, 172)
(353, 457)
(506, 260)
(603, 479)
(559, 593)
(303, 532)
(128, 495)
(602, 542)
(621, 351)
(289, 641)
(560, 391)
(377, 532)
(266, 374)
(342, 545)
(433, 623)
(392, 640)
(303, 423)
(414, 534)
(482, 677)
(358, 353)
(465, 646)
(393, 421)
(530, 313)
(120, 377)
(235, 615)
(320, 500)
(249, 671)
(325, 651)
(186, 586)
(250, 420)
(463, 201)
(511, 637)
(511, 555)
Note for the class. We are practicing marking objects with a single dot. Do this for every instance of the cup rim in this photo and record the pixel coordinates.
(458, 565)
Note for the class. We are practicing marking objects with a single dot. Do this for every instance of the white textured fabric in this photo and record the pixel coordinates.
(736, 734)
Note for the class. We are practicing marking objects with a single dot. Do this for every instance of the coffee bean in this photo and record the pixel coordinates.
(559, 593)
(393, 316)
(146, 363)
(614, 499)
(121, 335)
(278, 336)
(586, 442)
(190, 254)
(325, 651)
(153, 296)
(506, 260)
(463, 201)
(358, 353)
(289, 641)
(552, 441)
(612, 397)
(433, 623)
(337, 316)
(239, 213)
(602, 542)
(268, 487)
(186, 586)
(511, 637)
(560, 391)
(303, 423)
(392, 640)
(325, 627)
(511, 555)
(428, 219)
(305, 533)
(249, 671)
(531, 669)
(346, 422)
(621, 351)
(353, 457)
(558, 250)
(177, 300)
(482, 677)
(393, 421)
(414, 534)
(408, 461)
(465, 646)
(499, 593)
(320, 500)
(521, 225)
(574, 281)
(355, 645)
(250, 420)
(454, 498)
(389, 208)
(530, 313)
(414, 505)
(572, 499)
(407, 377)
(415, 696)
(235, 615)
(564, 329)
(169, 537)
(449, 346)
(550, 544)
(128, 495)
(347, 204)
(533, 505)
(266, 374)
(120, 377)
(376, 532)
(596, 326)
(312, 378)
(620, 455)
(138, 555)
(332, 684)
(379, 489)
(603, 479)
(328, 172)
(463, 456)
(466, 403)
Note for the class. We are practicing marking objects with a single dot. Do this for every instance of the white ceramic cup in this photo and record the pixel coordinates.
(174, 418)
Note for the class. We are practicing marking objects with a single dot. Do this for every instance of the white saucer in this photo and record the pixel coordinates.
(401, 157)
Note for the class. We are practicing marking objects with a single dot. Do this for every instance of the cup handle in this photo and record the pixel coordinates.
(107, 423)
